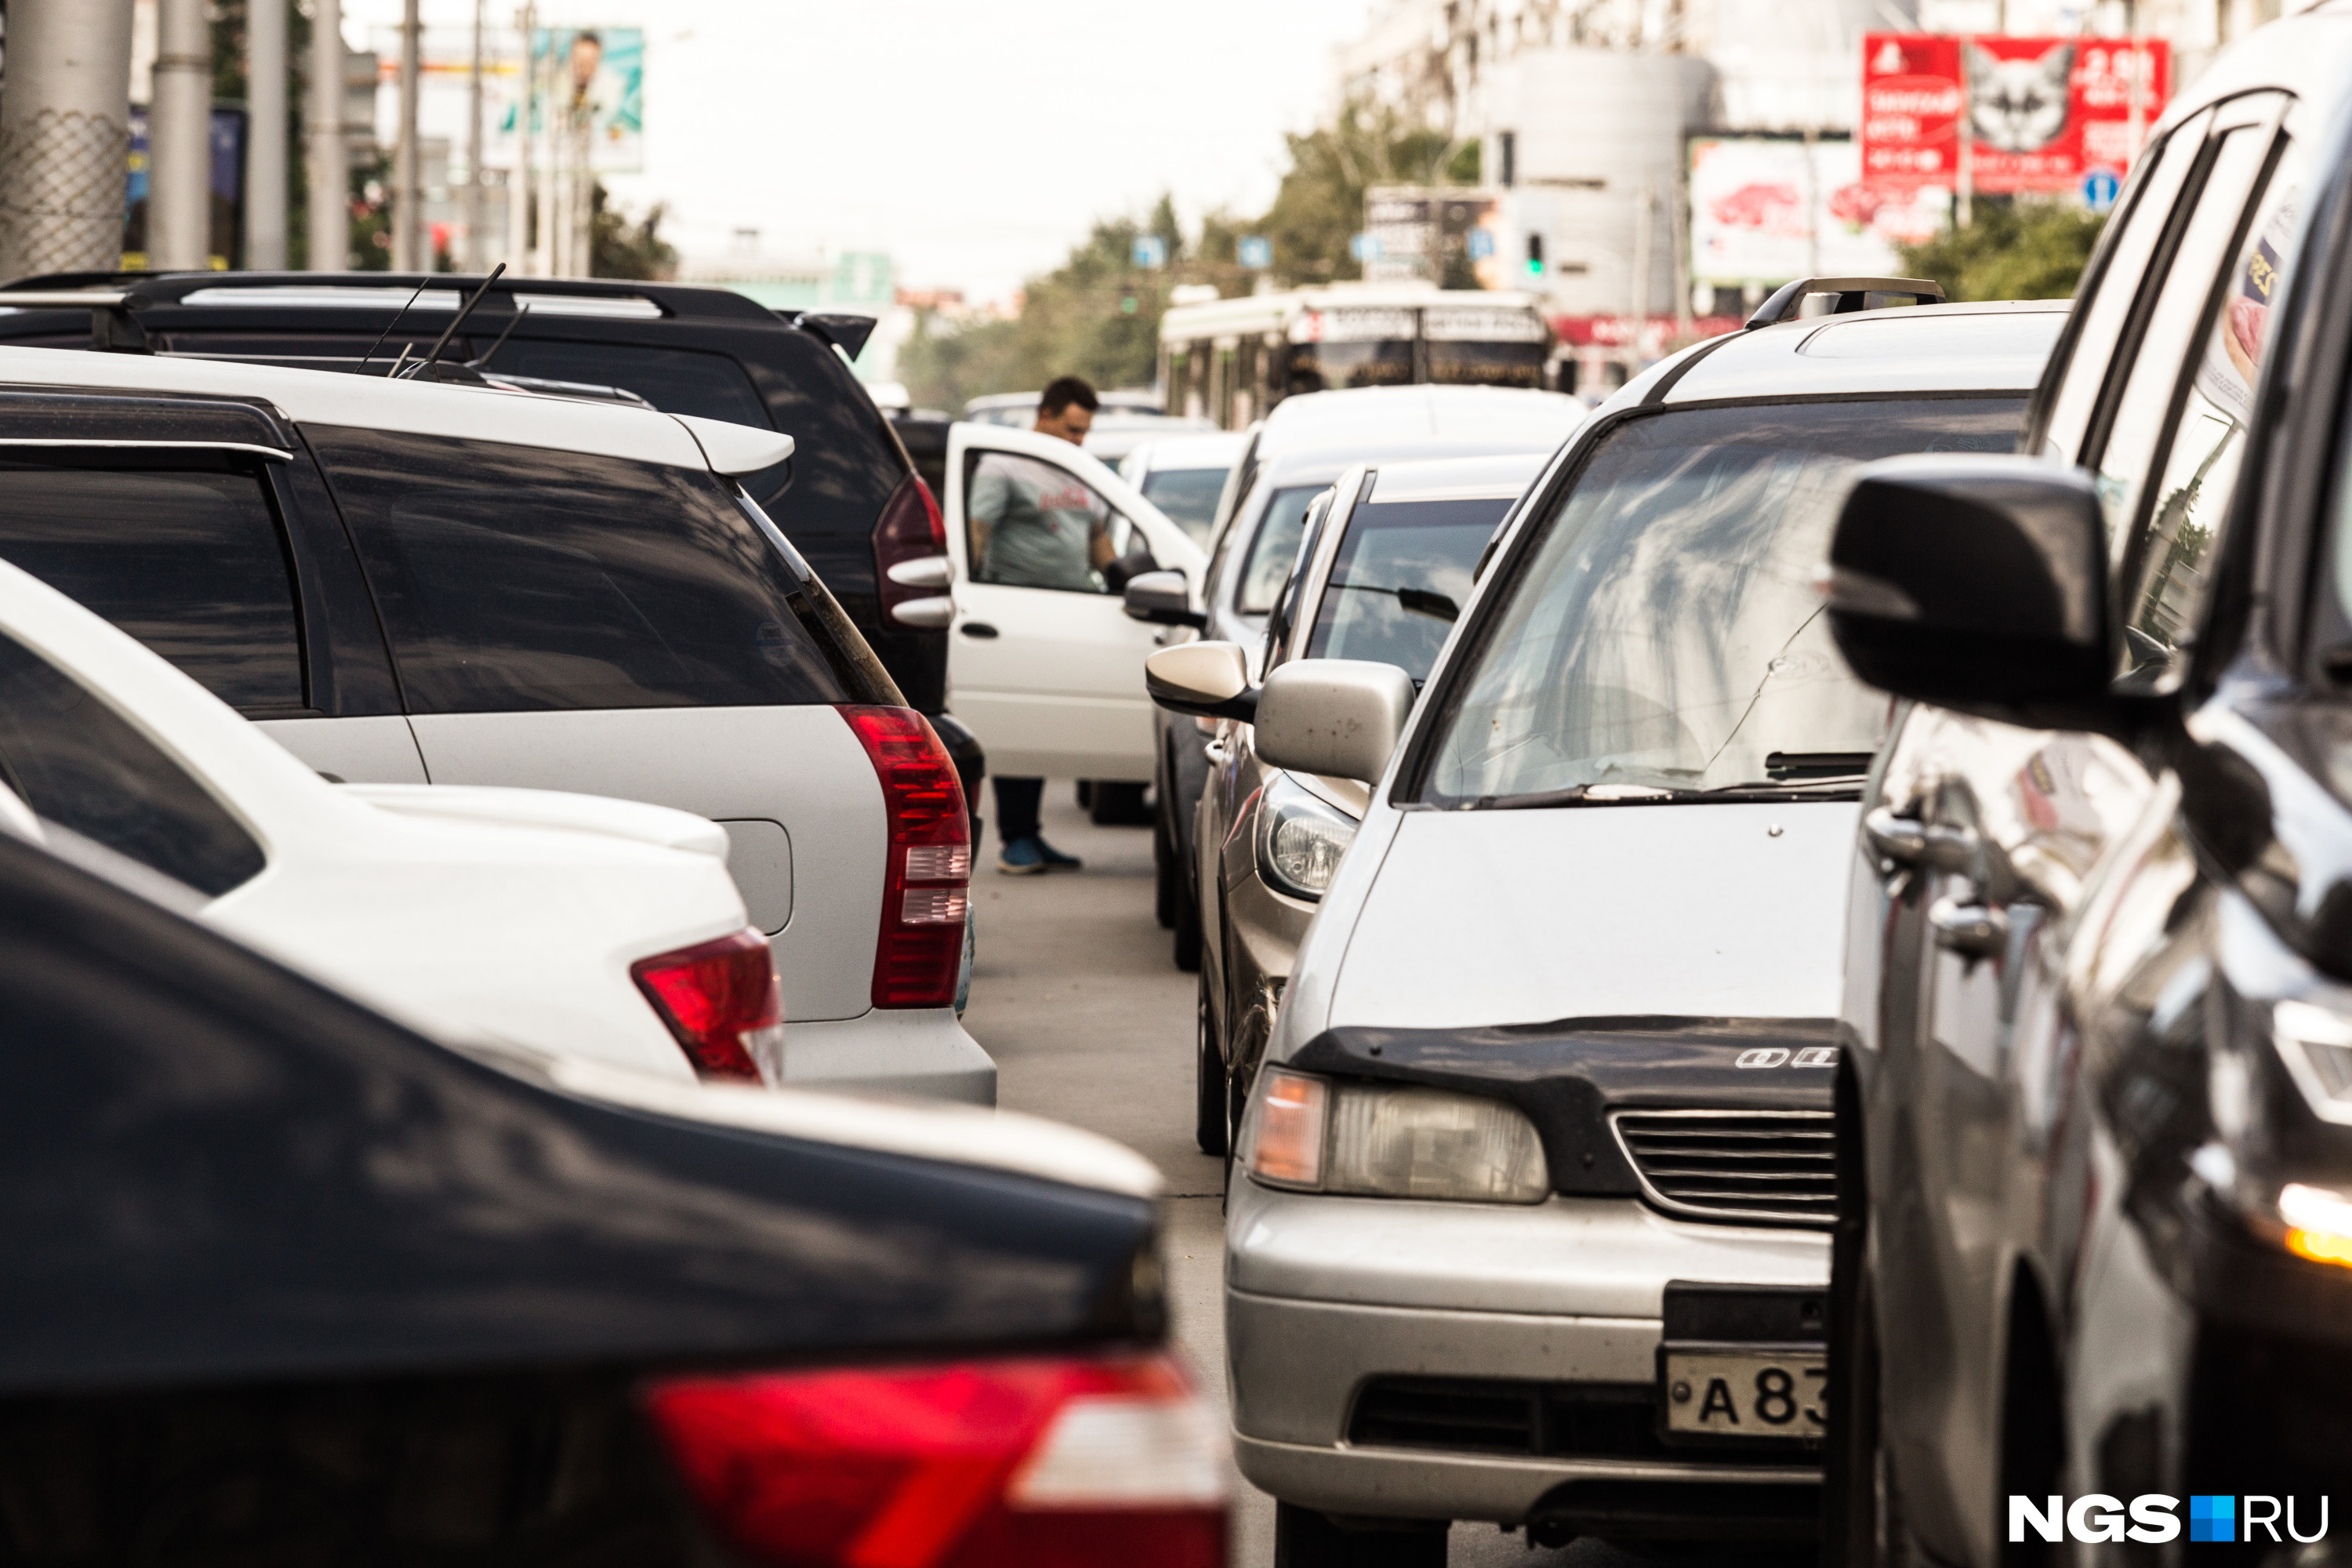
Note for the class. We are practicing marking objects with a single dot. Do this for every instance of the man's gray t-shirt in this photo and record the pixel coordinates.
(1041, 523)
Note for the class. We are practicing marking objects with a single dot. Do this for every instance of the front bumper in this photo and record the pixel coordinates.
(1325, 1295)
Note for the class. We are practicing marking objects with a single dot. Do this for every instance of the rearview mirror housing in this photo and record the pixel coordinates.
(1337, 717)
(1206, 679)
(1978, 583)
(1163, 598)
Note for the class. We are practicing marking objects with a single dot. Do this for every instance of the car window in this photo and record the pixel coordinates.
(83, 766)
(181, 551)
(2101, 317)
(1663, 632)
(1273, 548)
(1035, 524)
(2174, 324)
(1398, 580)
(1188, 497)
(2164, 576)
(676, 381)
(513, 578)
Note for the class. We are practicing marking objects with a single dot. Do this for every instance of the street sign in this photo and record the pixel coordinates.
(2099, 187)
(1364, 248)
(1151, 251)
(1482, 244)
(1256, 252)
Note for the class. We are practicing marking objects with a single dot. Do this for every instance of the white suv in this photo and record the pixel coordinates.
(411, 583)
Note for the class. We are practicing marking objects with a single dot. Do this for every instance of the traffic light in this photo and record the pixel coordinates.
(1535, 256)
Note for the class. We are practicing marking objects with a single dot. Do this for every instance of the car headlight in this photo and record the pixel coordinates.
(1392, 1140)
(1300, 839)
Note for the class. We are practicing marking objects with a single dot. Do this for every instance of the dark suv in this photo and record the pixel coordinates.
(849, 500)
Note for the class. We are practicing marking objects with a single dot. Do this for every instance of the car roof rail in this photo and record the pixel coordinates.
(113, 329)
(1852, 294)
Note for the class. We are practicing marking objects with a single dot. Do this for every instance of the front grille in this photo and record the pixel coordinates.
(1775, 1166)
(1507, 1416)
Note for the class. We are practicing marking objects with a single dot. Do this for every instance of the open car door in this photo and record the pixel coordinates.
(1042, 661)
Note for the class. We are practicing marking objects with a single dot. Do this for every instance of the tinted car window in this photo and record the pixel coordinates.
(1188, 497)
(1400, 578)
(513, 578)
(1663, 632)
(181, 552)
(79, 765)
(1270, 553)
(676, 381)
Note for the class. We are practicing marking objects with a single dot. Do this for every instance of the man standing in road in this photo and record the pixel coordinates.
(1034, 526)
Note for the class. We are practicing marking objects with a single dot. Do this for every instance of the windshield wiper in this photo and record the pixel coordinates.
(1578, 795)
(1803, 767)
(1419, 601)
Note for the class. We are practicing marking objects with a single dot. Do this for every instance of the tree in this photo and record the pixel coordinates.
(620, 249)
(1319, 205)
(2013, 250)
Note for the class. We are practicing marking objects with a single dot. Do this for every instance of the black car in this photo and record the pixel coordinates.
(286, 1283)
(2094, 1262)
(849, 500)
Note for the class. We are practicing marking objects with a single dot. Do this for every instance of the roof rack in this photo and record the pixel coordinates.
(112, 326)
(1852, 294)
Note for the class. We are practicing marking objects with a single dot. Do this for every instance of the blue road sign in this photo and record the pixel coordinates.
(2099, 187)
(1364, 248)
(1256, 252)
(1482, 244)
(1151, 251)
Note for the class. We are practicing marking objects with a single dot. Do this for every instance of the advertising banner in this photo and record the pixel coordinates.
(1762, 212)
(602, 71)
(2040, 113)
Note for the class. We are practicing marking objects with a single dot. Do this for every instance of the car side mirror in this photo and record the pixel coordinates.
(1206, 679)
(1118, 574)
(1977, 582)
(1339, 717)
(1163, 598)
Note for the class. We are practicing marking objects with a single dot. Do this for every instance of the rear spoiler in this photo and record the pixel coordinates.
(848, 333)
(1852, 294)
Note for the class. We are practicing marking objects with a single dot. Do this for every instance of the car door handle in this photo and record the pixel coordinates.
(1976, 931)
(977, 629)
(1907, 841)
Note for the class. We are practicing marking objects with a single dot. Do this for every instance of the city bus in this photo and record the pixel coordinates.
(1231, 359)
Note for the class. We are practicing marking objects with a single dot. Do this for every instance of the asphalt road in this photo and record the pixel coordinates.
(1074, 994)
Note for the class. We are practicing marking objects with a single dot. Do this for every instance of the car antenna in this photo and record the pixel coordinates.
(388, 326)
(459, 319)
(479, 360)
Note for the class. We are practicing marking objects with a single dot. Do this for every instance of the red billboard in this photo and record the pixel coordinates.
(2040, 113)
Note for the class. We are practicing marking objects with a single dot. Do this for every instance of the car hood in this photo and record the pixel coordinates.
(1633, 910)
(556, 810)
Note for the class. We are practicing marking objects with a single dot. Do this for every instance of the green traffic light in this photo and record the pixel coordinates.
(1535, 266)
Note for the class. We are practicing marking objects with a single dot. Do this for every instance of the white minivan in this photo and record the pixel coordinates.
(1531, 1195)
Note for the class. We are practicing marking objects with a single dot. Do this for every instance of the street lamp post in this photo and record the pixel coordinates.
(408, 194)
(327, 157)
(65, 136)
(265, 157)
(179, 140)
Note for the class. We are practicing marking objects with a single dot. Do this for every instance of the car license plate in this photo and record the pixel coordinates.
(1734, 1394)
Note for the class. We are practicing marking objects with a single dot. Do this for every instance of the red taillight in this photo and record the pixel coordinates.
(1010, 1464)
(911, 531)
(926, 884)
(722, 1002)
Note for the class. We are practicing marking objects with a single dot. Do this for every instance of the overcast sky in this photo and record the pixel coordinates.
(975, 139)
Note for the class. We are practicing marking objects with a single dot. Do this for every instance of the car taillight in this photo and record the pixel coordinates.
(1009, 1464)
(722, 1001)
(911, 569)
(927, 882)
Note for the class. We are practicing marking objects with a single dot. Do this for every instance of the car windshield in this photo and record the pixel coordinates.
(1188, 497)
(1664, 632)
(1400, 578)
(1274, 547)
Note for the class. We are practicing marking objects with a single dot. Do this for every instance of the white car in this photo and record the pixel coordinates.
(1530, 1213)
(568, 924)
(1184, 475)
(405, 583)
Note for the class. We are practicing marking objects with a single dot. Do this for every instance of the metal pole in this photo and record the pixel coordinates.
(327, 157)
(2138, 79)
(543, 253)
(519, 178)
(265, 148)
(65, 136)
(179, 140)
(407, 194)
(478, 208)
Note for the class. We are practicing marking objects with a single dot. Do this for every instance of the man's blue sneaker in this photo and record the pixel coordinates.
(1021, 857)
(1055, 859)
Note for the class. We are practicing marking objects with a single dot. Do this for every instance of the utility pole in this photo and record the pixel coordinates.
(478, 208)
(518, 249)
(179, 140)
(408, 191)
(265, 148)
(327, 158)
(65, 136)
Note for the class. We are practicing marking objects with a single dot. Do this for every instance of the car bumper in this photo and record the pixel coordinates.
(918, 1051)
(1325, 1294)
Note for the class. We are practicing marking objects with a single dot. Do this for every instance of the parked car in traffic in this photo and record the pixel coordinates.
(1531, 1192)
(1383, 571)
(1286, 460)
(405, 583)
(2095, 1142)
(289, 1283)
(1183, 476)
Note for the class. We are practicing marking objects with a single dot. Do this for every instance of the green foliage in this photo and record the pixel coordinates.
(620, 249)
(2014, 250)
(1319, 205)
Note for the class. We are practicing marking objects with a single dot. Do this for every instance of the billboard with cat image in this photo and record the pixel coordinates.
(2039, 113)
